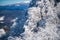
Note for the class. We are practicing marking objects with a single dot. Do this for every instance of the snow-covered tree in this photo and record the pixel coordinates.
(42, 22)
(42, 11)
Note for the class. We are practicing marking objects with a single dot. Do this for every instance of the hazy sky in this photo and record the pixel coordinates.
(6, 2)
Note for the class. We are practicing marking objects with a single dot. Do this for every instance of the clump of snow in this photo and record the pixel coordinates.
(2, 18)
(14, 22)
(14, 38)
(2, 32)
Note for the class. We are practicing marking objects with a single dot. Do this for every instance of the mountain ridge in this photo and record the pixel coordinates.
(17, 6)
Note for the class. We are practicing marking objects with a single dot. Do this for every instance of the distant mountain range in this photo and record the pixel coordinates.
(17, 6)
